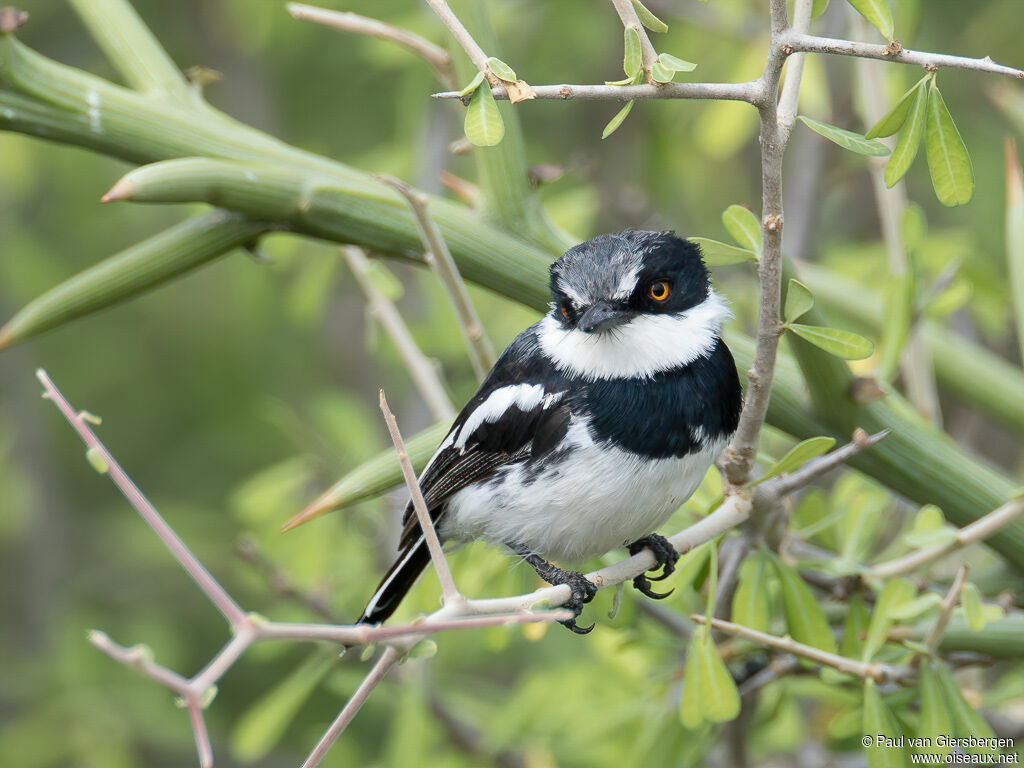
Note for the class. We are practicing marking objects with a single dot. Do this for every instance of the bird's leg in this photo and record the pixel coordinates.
(665, 555)
(581, 591)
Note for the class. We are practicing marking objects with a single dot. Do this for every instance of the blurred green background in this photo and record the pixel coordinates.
(236, 395)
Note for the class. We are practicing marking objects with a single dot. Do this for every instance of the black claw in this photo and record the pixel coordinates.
(666, 558)
(581, 591)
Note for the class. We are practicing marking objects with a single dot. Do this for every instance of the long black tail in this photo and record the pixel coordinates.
(396, 582)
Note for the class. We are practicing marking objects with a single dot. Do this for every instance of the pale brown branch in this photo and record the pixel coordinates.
(747, 91)
(463, 38)
(439, 259)
(980, 529)
(880, 673)
(949, 602)
(421, 369)
(387, 660)
(630, 20)
(796, 41)
(790, 98)
(448, 589)
(822, 464)
(346, 21)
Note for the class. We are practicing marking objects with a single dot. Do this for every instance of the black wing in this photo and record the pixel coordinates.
(520, 411)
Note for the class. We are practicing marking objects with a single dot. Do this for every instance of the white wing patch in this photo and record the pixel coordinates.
(641, 348)
(525, 396)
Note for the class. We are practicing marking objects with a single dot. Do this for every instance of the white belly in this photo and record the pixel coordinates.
(580, 503)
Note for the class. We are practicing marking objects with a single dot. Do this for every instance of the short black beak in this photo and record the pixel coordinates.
(602, 317)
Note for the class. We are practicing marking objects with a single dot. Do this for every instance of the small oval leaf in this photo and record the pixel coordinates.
(473, 84)
(502, 70)
(948, 161)
(648, 19)
(720, 699)
(818, 7)
(798, 455)
(615, 122)
(661, 73)
(484, 126)
(844, 344)
(910, 139)
(743, 226)
(854, 142)
(799, 300)
(719, 254)
(894, 119)
(691, 708)
(668, 61)
(95, 458)
(878, 13)
(632, 61)
(970, 599)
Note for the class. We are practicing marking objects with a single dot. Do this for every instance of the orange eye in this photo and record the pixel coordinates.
(660, 291)
(565, 311)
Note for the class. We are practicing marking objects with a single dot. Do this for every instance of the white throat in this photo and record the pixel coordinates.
(644, 346)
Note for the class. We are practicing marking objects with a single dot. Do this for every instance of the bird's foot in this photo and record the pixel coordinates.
(666, 558)
(581, 591)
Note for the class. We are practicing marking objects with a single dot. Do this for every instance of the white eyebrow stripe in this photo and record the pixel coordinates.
(497, 404)
(628, 283)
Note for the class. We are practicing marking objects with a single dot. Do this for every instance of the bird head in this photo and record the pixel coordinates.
(631, 303)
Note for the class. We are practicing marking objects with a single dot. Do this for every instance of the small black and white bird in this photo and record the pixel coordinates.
(594, 425)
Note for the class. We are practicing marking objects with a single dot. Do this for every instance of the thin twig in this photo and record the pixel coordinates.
(436, 56)
(387, 660)
(463, 38)
(202, 577)
(949, 602)
(747, 91)
(421, 369)
(797, 41)
(822, 464)
(980, 529)
(439, 259)
(630, 20)
(880, 673)
(448, 589)
(789, 100)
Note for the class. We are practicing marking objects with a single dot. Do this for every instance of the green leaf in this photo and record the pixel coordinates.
(743, 227)
(473, 84)
(818, 7)
(878, 13)
(894, 594)
(798, 455)
(929, 529)
(691, 570)
(632, 60)
(948, 160)
(719, 254)
(502, 70)
(262, 725)
(720, 700)
(894, 119)
(919, 606)
(670, 62)
(970, 599)
(1015, 235)
(935, 720)
(967, 721)
(805, 619)
(648, 19)
(910, 139)
(424, 649)
(751, 603)
(484, 126)
(844, 344)
(854, 142)
(615, 122)
(661, 74)
(880, 725)
(799, 300)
